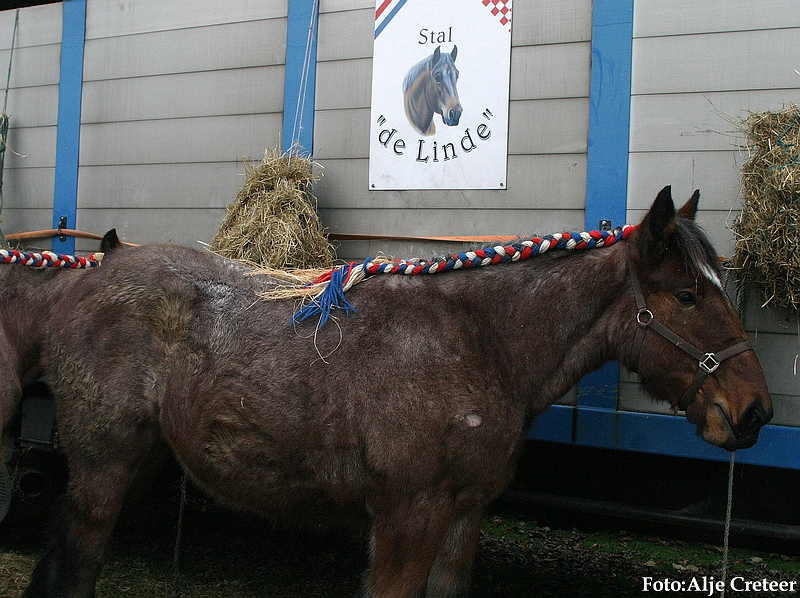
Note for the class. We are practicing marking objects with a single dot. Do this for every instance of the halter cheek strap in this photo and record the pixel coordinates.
(707, 362)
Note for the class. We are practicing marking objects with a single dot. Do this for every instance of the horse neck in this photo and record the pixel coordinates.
(558, 319)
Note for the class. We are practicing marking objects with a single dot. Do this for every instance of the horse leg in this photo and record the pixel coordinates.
(406, 539)
(452, 572)
(72, 561)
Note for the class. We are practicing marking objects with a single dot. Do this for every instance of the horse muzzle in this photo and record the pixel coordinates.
(744, 433)
(452, 116)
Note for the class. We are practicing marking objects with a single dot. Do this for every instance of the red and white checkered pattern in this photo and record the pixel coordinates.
(501, 9)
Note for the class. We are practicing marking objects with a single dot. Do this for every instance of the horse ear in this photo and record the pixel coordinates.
(689, 209)
(110, 242)
(453, 53)
(659, 223)
(436, 54)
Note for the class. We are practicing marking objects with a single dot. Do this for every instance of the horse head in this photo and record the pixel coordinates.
(445, 75)
(689, 345)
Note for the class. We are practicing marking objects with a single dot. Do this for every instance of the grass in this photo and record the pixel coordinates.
(226, 555)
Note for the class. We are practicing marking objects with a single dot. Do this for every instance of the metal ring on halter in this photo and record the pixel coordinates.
(642, 322)
(709, 363)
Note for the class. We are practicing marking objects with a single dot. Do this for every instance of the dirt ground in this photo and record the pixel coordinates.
(225, 555)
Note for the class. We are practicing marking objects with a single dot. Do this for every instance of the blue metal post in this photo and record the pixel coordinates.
(607, 162)
(70, 92)
(300, 78)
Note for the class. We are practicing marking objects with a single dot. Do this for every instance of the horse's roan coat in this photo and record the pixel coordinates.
(414, 423)
(28, 297)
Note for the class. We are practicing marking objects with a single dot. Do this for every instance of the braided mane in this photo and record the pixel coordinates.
(328, 291)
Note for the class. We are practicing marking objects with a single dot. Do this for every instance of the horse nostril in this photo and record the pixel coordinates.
(753, 418)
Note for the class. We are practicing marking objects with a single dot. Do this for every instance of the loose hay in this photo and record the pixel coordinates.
(273, 221)
(768, 230)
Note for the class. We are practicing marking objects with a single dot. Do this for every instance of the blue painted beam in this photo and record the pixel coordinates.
(609, 112)
(300, 79)
(607, 159)
(659, 434)
(70, 93)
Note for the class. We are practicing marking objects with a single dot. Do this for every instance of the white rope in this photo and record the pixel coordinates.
(726, 537)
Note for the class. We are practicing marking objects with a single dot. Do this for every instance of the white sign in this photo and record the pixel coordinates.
(440, 79)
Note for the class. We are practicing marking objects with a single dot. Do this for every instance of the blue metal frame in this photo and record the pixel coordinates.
(300, 79)
(70, 93)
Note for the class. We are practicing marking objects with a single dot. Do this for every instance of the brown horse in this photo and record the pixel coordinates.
(28, 296)
(413, 422)
(429, 88)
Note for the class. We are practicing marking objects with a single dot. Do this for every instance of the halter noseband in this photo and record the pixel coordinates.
(707, 362)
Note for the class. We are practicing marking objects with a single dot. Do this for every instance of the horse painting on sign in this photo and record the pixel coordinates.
(412, 425)
(429, 88)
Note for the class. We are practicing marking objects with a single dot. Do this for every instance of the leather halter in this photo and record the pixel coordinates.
(707, 362)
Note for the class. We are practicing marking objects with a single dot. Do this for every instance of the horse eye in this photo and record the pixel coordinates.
(437, 77)
(686, 298)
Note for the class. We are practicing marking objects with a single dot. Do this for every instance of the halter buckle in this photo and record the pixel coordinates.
(709, 363)
(644, 317)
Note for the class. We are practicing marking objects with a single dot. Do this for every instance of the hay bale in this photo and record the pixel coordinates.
(273, 221)
(767, 251)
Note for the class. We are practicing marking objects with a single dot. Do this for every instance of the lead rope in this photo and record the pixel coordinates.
(726, 537)
(176, 572)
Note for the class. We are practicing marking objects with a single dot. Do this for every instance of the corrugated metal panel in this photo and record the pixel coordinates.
(33, 105)
(174, 98)
(33, 147)
(734, 61)
(346, 35)
(547, 181)
(179, 141)
(152, 225)
(26, 188)
(18, 220)
(33, 66)
(535, 76)
(191, 186)
(128, 17)
(186, 95)
(202, 49)
(682, 17)
(38, 26)
(547, 22)
(332, 95)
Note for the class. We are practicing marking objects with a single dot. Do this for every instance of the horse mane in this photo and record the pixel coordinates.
(328, 291)
(415, 71)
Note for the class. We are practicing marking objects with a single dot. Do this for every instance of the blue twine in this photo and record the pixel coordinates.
(331, 297)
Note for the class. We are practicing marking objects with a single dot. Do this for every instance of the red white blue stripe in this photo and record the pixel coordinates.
(385, 11)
